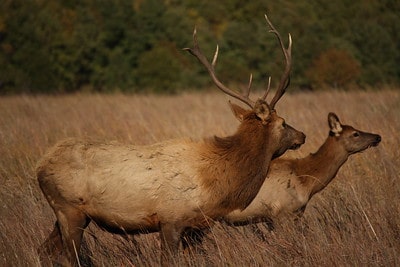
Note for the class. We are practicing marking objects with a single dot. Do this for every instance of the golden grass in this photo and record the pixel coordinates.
(354, 222)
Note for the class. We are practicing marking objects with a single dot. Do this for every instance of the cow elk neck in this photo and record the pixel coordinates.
(317, 170)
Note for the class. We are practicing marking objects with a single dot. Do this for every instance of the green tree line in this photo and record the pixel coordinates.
(52, 46)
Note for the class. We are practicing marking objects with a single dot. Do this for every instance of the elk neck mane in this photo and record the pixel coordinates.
(235, 167)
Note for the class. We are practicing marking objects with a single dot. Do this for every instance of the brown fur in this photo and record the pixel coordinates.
(166, 187)
(237, 158)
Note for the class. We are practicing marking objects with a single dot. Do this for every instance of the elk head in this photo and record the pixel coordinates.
(351, 139)
(290, 137)
(283, 135)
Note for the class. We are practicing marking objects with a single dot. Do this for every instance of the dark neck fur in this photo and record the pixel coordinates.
(239, 164)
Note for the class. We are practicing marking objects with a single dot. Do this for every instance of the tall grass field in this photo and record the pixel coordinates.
(354, 221)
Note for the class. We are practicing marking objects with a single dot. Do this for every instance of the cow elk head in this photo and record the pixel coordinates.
(349, 138)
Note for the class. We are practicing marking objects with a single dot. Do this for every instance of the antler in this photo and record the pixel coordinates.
(283, 84)
(195, 51)
(285, 78)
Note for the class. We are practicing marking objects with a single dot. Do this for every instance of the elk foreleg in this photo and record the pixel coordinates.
(170, 235)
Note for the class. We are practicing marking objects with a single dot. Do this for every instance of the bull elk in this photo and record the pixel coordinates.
(291, 183)
(166, 187)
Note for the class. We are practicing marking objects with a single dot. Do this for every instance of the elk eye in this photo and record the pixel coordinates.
(356, 134)
(284, 125)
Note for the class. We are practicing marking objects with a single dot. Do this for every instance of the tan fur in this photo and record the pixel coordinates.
(291, 183)
(167, 187)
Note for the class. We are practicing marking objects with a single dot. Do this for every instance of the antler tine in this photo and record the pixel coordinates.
(247, 92)
(214, 62)
(287, 52)
(195, 51)
(267, 91)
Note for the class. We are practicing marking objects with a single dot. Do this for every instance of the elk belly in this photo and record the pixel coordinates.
(116, 222)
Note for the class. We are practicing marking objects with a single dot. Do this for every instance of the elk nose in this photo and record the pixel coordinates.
(377, 140)
(300, 141)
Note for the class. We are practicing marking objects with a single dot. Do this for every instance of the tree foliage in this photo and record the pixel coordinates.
(334, 68)
(51, 46)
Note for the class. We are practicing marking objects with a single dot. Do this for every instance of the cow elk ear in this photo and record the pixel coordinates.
(238, 111)
(334, 124)
(262, 111)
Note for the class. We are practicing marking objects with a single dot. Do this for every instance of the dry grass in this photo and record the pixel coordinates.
(354, 222)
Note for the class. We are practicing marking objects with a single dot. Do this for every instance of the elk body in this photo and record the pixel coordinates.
(291, 183)
(166, 187)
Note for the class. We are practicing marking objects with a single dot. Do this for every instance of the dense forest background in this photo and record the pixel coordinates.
(52, 46)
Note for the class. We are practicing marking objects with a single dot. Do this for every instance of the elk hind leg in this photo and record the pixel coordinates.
(72, 222)
(52, 246)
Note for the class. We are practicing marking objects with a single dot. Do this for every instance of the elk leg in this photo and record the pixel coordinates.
(72, 222)
(170, 236)
(51, 247)
(192, 239)
(298, 222)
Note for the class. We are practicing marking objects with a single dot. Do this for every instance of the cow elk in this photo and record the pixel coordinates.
(166, 187)
(291, 183)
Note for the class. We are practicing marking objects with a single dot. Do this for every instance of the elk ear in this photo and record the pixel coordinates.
(334, 124)
(238, 111)
(262, 111)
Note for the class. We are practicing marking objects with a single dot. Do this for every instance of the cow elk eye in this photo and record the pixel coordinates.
(284, 124)
(356, 134)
